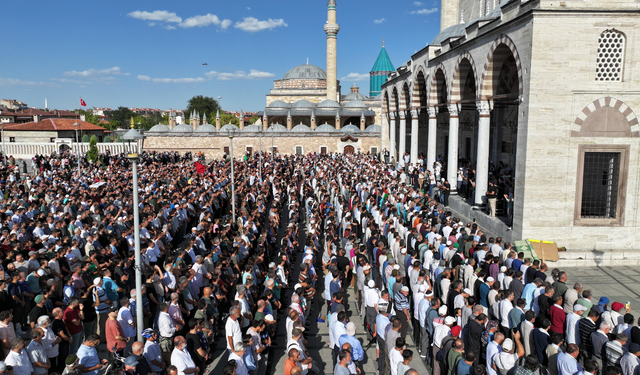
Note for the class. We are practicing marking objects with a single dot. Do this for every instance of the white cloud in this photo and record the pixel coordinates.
(224, 24)
(248, 8)
(96, 72)
(417, 3)
(19, 82)
(353, 77)
(169, 27)
(425, 11)
(156, 15)
(144, 78)
(66, 80)
(251, 24)
(377, 22)
(239, 74)
(201, 21)
(256, 74)
(152, 23)
(178, 80)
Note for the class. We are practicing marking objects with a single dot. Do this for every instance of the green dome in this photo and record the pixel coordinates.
(383, 63)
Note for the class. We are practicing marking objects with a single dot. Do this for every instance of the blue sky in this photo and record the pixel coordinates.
(150, 53)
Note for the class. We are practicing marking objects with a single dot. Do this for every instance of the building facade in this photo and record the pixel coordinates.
(544, 91)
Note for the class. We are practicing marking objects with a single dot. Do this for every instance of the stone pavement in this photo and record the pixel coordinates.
(619, 283)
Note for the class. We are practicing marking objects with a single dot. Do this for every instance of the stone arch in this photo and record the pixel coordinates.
(491, 70)
(436, 84)
(405, 96)
(419, 94)
(395, 99)
(459, 77)
(606, 117)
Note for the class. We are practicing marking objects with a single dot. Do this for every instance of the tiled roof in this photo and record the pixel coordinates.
(53, 124)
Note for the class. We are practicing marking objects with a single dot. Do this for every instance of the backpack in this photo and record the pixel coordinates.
(447, 344)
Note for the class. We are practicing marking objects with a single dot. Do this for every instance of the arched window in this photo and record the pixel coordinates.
(610, 62)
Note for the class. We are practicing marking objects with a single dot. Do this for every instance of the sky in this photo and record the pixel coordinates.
(147, 53)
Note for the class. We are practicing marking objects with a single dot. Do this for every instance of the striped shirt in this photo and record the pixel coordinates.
(401, 301)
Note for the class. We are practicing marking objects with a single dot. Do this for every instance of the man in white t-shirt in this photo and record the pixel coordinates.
(233, 334)
(507, 359)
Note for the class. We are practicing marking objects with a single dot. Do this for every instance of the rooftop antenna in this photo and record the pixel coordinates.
(382, 42)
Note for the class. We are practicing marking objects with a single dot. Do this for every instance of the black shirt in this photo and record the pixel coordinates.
(88, 309)
(36, 312)
(343, 263)
(193, 344)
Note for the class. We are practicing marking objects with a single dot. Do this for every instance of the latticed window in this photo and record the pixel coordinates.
(610, 60)
(600, 185)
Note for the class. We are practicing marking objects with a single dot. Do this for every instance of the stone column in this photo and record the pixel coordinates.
(289, 121)
(392, 135)
(384, 133)
(431, 138)
(363, 123)
(482, 159)
(402, 142)
(265, 122)
(414, 136)
(452, 159)
(313, 120)
(338, 125)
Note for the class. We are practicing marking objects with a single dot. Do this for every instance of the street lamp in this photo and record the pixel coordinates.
(4, 150)
(260, 131)
(76, 126)
(133, 135)
(233, 182)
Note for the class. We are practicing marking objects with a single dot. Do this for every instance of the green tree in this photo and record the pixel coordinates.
(227, 118)
(85, 138)
(253, 120)
(165, 120)
(203, 104)
(108, 139)
(90, 117)
(92, 154)
(119, 118)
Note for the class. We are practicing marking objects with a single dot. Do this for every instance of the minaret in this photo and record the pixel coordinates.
(218, 120)
(241, 120)
(204, 119)
(289, 121)
(331, 28)
(172, 120)
(313, 120)
(363, 122)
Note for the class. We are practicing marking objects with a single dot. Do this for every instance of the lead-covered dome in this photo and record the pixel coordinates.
(158, 129)
(328, 103)
(306, 72)
(355, 104)
(184, 128)
(302, 103)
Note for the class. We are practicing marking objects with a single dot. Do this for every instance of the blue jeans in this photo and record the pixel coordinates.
(77, 340)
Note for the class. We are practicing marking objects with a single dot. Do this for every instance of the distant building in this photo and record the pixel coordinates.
(380, 72)
(51, 130)
(12, 104)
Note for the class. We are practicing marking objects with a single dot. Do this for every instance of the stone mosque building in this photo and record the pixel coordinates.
(547, 88)
(305, 112)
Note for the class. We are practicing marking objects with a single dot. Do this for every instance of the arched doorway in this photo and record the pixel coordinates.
(63, 148)
(350, 150)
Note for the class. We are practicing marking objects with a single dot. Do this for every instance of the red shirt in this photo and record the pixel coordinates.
(558, 318)
(113, 329)
(69, 315)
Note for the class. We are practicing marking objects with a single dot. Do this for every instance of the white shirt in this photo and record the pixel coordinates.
(182, 360)
(232, 329)
(126, 322)
(152, 352)
(505, 307)
(395, 357)
(573, 332)
(20, 362)
(337, 329)
(241, 369)
(370, 297)
(505, 361)
(440, 332)
(166, 326)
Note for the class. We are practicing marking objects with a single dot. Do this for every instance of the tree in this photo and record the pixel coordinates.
(85, 138)
(227, 118)
(90, 117)
(119, 118)
(92, 154)
(108, 139)
(253, 120)
(203, 104)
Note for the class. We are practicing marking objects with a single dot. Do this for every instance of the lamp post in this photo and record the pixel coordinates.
(76, 126)
(4, 149)
(133, 135)
(233, 182)
(260, 131)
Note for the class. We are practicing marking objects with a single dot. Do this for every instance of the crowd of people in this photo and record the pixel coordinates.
(310, 234)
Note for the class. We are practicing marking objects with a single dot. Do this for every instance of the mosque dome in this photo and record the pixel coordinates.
(303, 104)
(158, 129)
(301, 128)
(328, 103)
(252, 128)
(456, 30)
(184, 128)
(350, 128)
(306, 72)
(229, 127)
(278, 104)
(373, 129)
(355, 104)
(277, 128)
(206, 128)
(325, 128)
(355, 96)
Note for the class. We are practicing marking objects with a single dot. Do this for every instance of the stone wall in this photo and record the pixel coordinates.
(292, 97)
(300, 83)
(214, 146)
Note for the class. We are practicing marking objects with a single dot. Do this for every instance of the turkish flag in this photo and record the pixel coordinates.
(82, 103)
(200, 168)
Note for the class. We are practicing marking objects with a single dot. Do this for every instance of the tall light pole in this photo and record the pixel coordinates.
(133, 135)
(4, 149)
(260, 131)
(233, 182)
(76, 126)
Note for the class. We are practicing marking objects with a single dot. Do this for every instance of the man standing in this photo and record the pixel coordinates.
(181, 358)
(116, 340)
(125, 319)
(629, 362)
(19, 358)
(402, 310)
(38, 353)
(356, 347)
(567, 362)
(167, 329)
(72, 318)
(89, 363)
(344, 357)
(233, 334)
